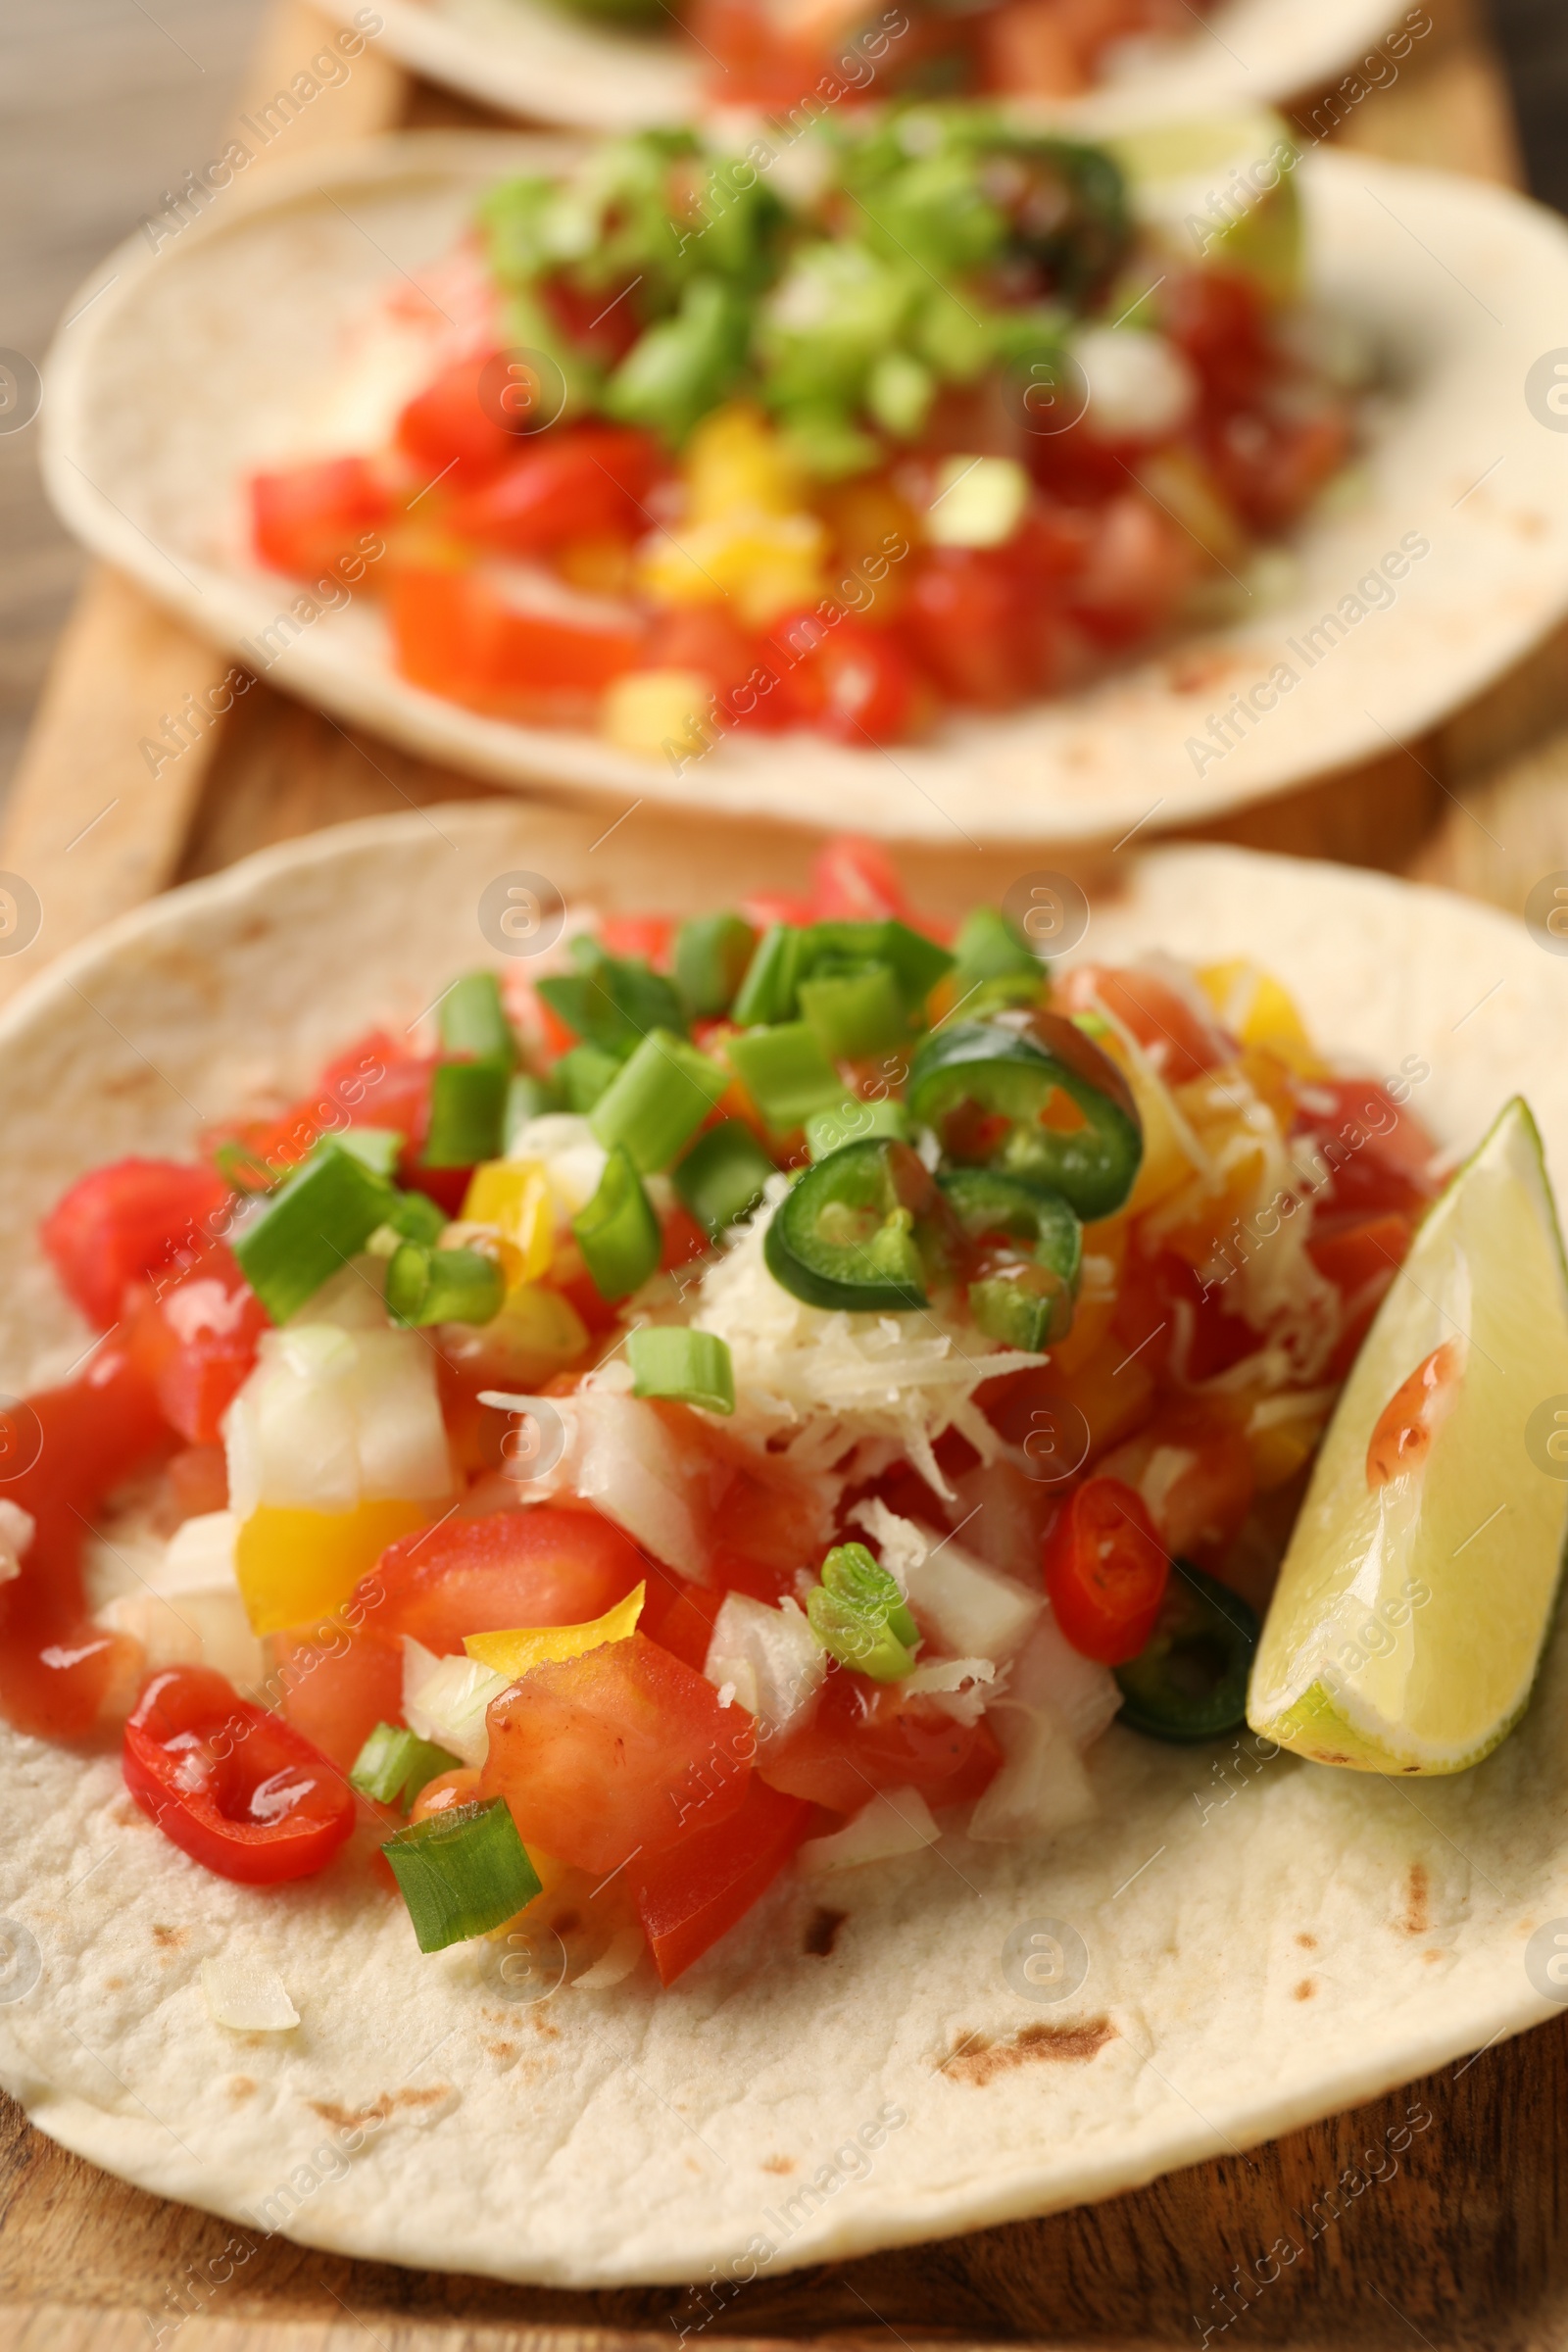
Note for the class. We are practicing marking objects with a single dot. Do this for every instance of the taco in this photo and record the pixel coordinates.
(617, 65)
(900, 1508)
(724, 616)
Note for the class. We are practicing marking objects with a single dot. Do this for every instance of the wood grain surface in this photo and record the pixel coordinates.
(1462, 2242)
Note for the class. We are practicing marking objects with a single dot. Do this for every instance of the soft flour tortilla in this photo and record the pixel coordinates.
(1251, 1963)
(554, 65)
(225, 352)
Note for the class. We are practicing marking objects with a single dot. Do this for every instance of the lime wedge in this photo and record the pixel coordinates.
(1221, 189)
(1417, 1592)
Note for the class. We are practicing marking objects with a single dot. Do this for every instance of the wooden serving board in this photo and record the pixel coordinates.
(1462, 2242)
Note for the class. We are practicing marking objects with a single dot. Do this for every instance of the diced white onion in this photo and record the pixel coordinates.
(330, 1418)
(772, 1652)
(16, 1531)
(1141, 387)
(615, 1966)
(897, 1821)
(248, 1997)
(572, 1161)
(974, 1610)
(443, 1700)
(959, 1686)
(978, 502)
(1049, 1672)
(625, 1459)
(200, 1558)
(1041, 1787)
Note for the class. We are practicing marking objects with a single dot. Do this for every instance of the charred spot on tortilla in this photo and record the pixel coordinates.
(352, 2119)
(503, 2052)
(1305, 1990)
(1417, 1920)
(241, 2086)
(169, 1938)
(1308, 1944)
(777, 2164)
(976, 2058)
(821, 1929)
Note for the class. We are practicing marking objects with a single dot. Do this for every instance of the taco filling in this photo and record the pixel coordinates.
(743, 1394)
(941, 414)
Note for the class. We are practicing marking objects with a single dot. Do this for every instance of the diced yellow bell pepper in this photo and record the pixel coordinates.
(656, 713)
(513, 1195)
(294, 1565)
(735, 460)
(767, 564)
(517, 1654)
(1255, 1009)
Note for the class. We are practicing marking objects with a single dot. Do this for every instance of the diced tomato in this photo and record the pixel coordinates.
(195, 1339)
(1180, 1041)
(680, 1618)
(1105, 1571)
(125, 1222)
(1164, 1301)
(456, 636)
(684, 1241)
(602, 325)
(1269, 468)
(376, 1081)
(1375, 1155)
(690, 1896)
(447, 1789)
(854, 683)
(1138, 566)
(58, 1669)
(761, 907)
(866, 1735)
(1202, 1483)
(645, 938)
(621, 1752)
(753, 681)
(198, 1478)
(542, 1566)
(233, 1786)
(1360, 1257)
(855, 880)
(1219, 317)
(338, 1683)
(976, 632)
(450, 434)
(578, 482)
(308, 518)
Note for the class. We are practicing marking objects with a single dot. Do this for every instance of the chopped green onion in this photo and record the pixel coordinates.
(395, 1764)
(584, 1074)
(379, 1148)
(693, 1367)
(416, 1217)
(474, 1023)
(855, 1013)
(462, 1873)
(991, 947)
(467, 1101)
(527, 1097)
(657, 1100)
(918, 962)
(612, 1001)
(861, 1617)
(828, 1130)
(442, 1285)
(767, 990)
(317, 1222)
(712, 955)
(786, 1072)
(720, 1180)
(618, 1231)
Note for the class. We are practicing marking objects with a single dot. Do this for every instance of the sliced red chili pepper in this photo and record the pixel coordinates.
(1105, 1571)
(233, 1786)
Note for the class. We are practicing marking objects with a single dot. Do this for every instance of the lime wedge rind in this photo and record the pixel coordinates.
(1409, 1622)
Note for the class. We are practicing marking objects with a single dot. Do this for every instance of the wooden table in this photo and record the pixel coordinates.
(1465, 2245)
